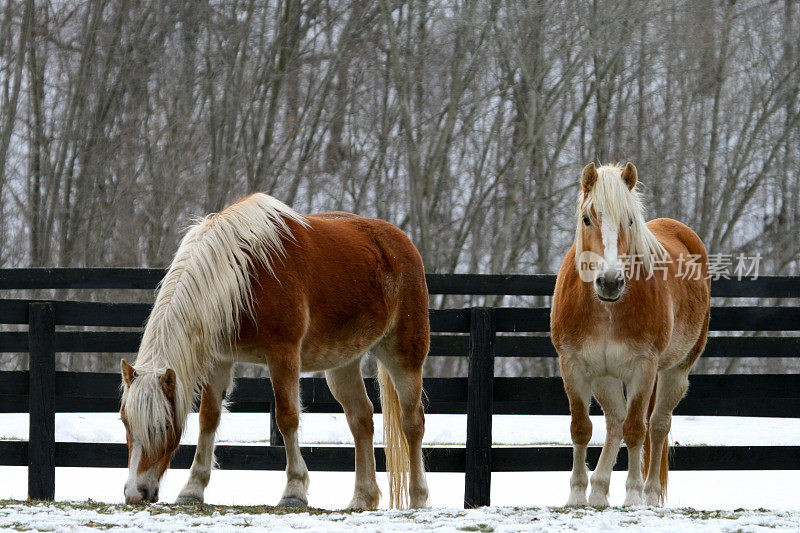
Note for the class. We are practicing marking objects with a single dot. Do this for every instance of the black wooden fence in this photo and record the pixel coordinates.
(457, 332)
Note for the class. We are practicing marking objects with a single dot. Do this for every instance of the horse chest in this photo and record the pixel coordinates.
(605, 356)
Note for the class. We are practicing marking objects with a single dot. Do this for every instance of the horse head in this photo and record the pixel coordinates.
(153, 428)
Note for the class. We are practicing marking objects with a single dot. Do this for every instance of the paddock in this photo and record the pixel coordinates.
(482, 334)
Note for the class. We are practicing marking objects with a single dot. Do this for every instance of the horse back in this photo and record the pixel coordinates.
(339, 288)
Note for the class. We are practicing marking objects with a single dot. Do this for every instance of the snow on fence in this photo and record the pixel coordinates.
(42, 391)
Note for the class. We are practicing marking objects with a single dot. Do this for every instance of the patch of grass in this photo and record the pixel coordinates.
(196, 509)
(16, 526)
(98, 525)
(484, 528)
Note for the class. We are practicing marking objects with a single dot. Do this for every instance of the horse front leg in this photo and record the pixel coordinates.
(640, 387)
(610, 396)
(579, 394)
(210, 410)
(284, 370)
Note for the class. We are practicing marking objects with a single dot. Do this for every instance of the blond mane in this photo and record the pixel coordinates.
(611, 198)
(199, 306)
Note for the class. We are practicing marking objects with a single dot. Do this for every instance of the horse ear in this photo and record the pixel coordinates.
(168, 382)
(588, 177)
(629, 175)
(128, 372)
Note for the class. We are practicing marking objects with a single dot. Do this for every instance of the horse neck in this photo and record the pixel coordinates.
(166, 347)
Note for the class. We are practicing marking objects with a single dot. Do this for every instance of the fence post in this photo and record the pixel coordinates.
(41, 401)
(275, 437)
(480, 383)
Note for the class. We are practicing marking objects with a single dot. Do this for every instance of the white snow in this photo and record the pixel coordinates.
(720, 490)
(501, 519)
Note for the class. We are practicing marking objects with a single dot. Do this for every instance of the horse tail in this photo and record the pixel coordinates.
(395, 444)
(664, 471)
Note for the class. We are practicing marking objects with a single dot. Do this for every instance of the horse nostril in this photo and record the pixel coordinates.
(145, 492)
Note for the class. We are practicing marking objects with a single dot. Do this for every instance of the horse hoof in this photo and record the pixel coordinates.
(291, 501)
(188, 500)
(361, 505)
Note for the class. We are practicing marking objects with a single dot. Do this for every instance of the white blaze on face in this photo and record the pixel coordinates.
(147, 480)
(132, 485)
(610, 232)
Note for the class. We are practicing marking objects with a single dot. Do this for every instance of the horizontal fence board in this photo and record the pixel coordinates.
(509, 319)
(441, 345)
(80, 278)
(77, 341)
(775, 395)
(559, 458)
(13, 452)
(70, 313)
(755, 318)
(729, 346)
(761, 287)
(437, 459)
(541, 346)
(492, 284)
(14, 382)
(771, 395)
(236, 457)
(740, 318)
(705, 386)
(478, 284)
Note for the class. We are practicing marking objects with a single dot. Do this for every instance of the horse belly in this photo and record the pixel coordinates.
(681, 343)
(331, 345)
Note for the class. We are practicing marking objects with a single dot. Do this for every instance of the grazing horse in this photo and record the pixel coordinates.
(631, 305)
(259, 283)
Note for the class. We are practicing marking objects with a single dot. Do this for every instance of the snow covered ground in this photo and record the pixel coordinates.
(709, 492)
(71, 517)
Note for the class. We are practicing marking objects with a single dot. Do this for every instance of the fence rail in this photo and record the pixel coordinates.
(479, 333)
(479, 284)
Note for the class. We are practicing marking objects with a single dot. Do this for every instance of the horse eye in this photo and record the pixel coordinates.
(630, 222)
(587, 221)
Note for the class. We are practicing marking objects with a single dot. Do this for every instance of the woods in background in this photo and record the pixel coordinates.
(464, 122)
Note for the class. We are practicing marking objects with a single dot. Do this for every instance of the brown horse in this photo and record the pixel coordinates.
(260, 283)
(631, 305)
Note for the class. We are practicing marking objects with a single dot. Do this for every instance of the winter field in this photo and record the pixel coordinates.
(90, 498)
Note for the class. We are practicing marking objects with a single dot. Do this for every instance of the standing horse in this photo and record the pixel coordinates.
(260, 283)
(643, 325)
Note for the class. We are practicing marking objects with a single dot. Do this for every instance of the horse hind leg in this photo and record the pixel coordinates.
(347, 386)
(284, 371)
(610, 396)
(670, 388)
(210, 410)
(401, 358)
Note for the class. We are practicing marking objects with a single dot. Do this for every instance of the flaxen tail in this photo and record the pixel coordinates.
(664, 472)
(395, 443)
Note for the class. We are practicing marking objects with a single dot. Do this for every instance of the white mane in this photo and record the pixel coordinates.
(199, 307)
(619, 205)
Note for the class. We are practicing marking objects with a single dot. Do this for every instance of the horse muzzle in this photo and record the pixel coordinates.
(141, 494)
(609, 285)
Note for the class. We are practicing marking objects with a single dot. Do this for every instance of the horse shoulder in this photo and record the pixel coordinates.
(565, 323)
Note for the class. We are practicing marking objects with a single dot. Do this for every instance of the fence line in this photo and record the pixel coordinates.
(42, 391)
